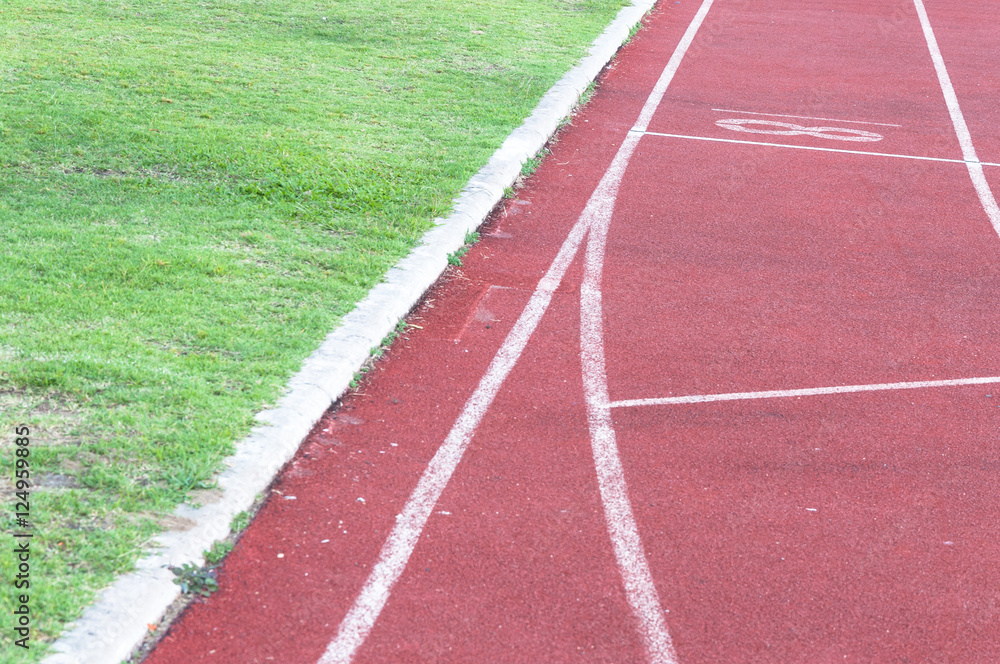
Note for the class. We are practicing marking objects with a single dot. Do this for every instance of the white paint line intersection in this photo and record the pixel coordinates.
(958, 120)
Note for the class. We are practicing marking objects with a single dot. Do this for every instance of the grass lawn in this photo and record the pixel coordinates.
(191, 195)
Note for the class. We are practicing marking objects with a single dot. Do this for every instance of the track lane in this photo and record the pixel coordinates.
(823, 529)
(781, 269)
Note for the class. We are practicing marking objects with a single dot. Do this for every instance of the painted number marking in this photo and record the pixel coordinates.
(788, 129)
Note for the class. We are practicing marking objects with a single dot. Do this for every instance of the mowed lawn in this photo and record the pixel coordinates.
(192, 193)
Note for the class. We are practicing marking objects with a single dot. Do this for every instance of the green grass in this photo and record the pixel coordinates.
(191, 196)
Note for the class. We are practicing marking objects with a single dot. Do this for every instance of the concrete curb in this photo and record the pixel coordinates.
(111, 628)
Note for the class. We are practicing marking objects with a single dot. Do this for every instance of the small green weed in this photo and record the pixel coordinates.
(401, 327)
(532, 164)
(378, 351)
(358, 375)
(455, 258)
(633, 30)
(195, 580)
(218, 551)
(587, 94)
(240, 522)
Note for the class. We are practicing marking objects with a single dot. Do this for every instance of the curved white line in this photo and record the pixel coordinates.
(640, 590)
(639, 587)
(958, 120)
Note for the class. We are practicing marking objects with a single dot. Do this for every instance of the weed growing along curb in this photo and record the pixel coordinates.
(377, 353)
(213, 559)
(533, 163)
(455, 258)
(194, 580)
(193, 194)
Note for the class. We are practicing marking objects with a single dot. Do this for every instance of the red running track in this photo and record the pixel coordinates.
(756, 421)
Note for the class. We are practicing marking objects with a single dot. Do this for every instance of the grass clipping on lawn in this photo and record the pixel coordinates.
(191, 195)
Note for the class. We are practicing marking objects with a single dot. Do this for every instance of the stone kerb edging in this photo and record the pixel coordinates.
(112, 627)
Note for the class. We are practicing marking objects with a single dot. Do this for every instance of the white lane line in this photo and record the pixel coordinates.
(640, 590)
(958, 120)
(399, 546)
(810, 147)
(805, 392)
(622, 528)
(410, 522)
(804, 117)
(656, 96)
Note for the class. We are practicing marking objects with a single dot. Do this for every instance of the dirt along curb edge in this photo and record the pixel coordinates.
(112, 627)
